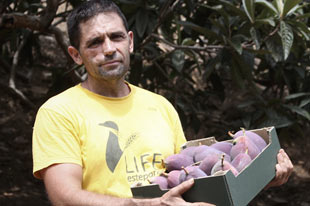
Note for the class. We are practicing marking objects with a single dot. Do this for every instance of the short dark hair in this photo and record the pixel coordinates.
(85, 11)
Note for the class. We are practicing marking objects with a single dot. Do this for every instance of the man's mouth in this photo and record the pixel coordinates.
(111, 63)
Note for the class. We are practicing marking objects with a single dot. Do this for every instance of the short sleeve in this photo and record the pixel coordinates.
(179, 134)
(55, 140)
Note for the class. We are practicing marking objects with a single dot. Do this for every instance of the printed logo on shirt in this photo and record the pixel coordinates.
(113, 150)
(141, 169)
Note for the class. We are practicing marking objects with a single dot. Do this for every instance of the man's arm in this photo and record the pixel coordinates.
(63, 183)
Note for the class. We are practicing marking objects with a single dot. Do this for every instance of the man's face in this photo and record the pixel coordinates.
(105, 47)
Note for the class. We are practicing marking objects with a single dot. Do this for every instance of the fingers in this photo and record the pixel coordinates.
(202, 204)
(183, 187)
(284, 169)
(286, 166)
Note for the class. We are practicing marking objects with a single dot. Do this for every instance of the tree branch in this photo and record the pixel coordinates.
(15, 61)
(20, 20)
(19, 94)
(50, 12)
(59, 36)
(187, 47)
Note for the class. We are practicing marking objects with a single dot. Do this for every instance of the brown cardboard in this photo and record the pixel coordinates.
(226, 189)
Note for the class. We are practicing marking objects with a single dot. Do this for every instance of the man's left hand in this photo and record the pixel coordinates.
(284, 169)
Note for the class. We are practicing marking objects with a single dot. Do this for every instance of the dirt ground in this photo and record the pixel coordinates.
(19, 187)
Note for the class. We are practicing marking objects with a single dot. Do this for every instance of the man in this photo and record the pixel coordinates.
(94, 140)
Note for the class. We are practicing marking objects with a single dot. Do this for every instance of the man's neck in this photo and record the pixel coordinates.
(108, 89)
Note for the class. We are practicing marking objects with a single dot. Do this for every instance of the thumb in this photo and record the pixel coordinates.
(181, 188)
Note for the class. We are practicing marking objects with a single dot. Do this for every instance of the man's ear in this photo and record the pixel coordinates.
(75, 55)
(130, 34)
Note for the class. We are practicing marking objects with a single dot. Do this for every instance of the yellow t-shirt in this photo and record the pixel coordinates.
(117, 141)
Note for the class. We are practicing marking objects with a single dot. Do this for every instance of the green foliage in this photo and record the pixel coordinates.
(226, 64)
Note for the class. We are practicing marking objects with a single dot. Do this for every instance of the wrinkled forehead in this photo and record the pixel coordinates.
(103, 22)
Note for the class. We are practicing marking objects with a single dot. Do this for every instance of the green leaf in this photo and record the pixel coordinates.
(236, 74)
(277, 121)
(298, 110)
(188, 42)
(279, 5)
(212, 64)
(275, 49)
(235, 42)
(287, 37)
(142, 19)
(249, 9)
(297, 95)
(231, 7)
(304, 102)
(268, 5)
(301, 27)
(288, 6)
(304, 16)
(178, 59)
(269, 21)
(207, 32)
(254, 37)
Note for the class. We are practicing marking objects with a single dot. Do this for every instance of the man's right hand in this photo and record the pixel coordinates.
(174, 196)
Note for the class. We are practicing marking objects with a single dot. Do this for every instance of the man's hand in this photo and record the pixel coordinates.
(173, 197)
(284, 169)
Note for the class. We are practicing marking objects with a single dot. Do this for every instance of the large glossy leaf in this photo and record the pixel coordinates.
(269, 21)
(275, 49)
(236, 74)
(255, 37)
(178, 59)
(297, 95)
(298, 110)
(279, 121)
(304, 102)
(268, 5)
(231, 7)
(202, 30)
(142, 19)
(249, 9)
(287, 37)
(288, 6)
(235, 42)
(279, 5)
(301, 27)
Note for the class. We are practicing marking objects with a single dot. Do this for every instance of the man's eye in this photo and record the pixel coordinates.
(118, 37)
(94, 43)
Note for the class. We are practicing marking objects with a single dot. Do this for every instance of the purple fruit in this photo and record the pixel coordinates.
(189, 151)
(223, 146)
(258, 140)
(243, 144)
(173, 178)
(200, 149)
(161, 181)
(241, 161)
(177, 161)
(223, 165)
(208, 151)
(209, 161)
(191, 172)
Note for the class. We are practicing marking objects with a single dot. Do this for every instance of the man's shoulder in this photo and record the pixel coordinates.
(66, 97)
(147, 93)
(150, 96)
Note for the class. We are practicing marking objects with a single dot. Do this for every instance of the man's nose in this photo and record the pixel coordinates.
(108, 48)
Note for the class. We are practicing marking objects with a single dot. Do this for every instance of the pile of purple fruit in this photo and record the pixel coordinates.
(202, 161)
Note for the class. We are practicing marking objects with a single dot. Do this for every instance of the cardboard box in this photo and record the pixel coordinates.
(226, 189)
